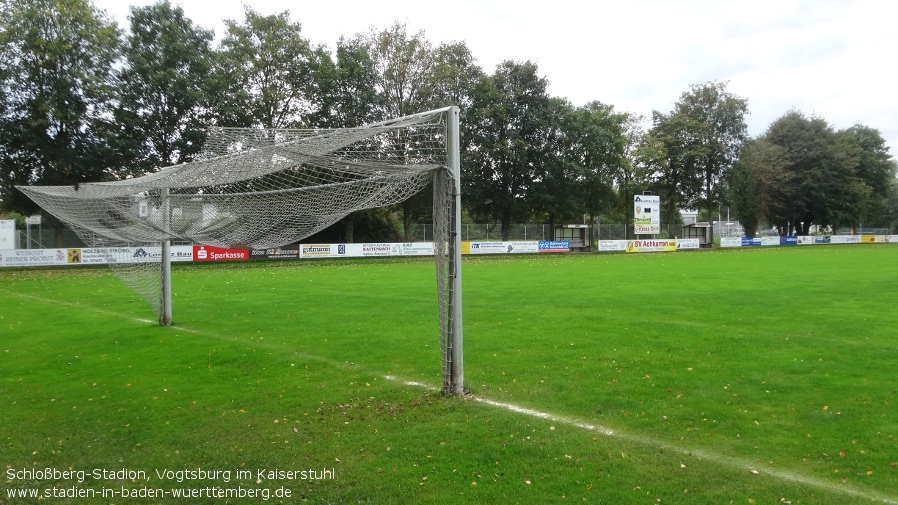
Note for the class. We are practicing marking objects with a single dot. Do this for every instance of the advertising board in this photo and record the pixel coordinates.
(646, 214)
(554, 246)
(287, 252)
(688, 243)
(210, 253)
(612, 245)
(667, 245)
(730, 241)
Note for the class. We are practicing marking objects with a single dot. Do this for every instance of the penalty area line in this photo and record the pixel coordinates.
(728, 461)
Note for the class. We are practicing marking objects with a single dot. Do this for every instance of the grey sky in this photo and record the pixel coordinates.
(830, 58)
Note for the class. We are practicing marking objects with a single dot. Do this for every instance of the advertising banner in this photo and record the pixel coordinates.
(287, 252)
(821, 239)
(488, 248)
(788, 240)
(873, 239)
(688, 243)
(806, 240)
(311, 251)
(210, 253)
(730, 241)
(34, 257)
(647, 214)
(612, 245)
(845, 239)
(768, 241)
(522, 247)
(554, 246)
(413, 249)
(383, 249)
(635, 246)
(751, 241)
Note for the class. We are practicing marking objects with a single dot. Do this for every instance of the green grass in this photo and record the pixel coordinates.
(704, 366)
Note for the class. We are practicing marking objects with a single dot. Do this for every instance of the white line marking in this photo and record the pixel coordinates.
(729, 461)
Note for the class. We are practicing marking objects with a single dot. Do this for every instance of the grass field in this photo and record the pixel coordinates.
(739, 376)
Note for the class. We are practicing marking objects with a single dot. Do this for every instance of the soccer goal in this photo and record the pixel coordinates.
(265, 188)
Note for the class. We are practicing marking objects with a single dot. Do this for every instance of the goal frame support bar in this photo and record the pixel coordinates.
(456, 379)
(165, 307)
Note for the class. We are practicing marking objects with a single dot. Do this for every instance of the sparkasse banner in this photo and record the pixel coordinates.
(210, 253)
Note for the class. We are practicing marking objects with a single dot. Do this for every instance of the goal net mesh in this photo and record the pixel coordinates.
(259, 189)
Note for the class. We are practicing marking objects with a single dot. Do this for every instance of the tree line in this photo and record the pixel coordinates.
(82, 100)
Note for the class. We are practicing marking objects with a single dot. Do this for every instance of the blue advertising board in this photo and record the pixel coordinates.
(750, 241)
(550, 246)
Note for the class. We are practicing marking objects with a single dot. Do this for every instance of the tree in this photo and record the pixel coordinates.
(633, 174)
(720, 131)
(698, 143)
(58, 57)
(803, 173)
(502, 144)
(758, 185)
(874, 168)
(265, 70)
(556, 191)
(163, 111)
(352, 87)
(455, 74)
(412, 76)
(669, 154)
(403, 69)
(598, 141)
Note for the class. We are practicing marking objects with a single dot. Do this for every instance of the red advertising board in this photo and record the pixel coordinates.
(209, 253)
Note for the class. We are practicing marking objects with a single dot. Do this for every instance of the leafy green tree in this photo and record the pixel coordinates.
(598, 141)
(719, 117)
(455, 74)
(696, 145)
(163, 111)
(807, 145)
(265, 73)
(503, 148)
(352, 87)
(403, 69)
(758, 185)
(669, 154)
(633, 175)
(802, 172)
(874, 168)
(555, 193)
(411, 76)
(58, 58)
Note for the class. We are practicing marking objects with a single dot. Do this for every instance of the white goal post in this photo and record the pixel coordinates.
(264, 188)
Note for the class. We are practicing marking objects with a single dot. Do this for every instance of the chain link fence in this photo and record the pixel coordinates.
(542, 231)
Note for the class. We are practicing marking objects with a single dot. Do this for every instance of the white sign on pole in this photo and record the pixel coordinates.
(646, 215)
(7, 234)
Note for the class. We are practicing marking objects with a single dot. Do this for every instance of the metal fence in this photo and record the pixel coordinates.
(542, 231)
(48, 238)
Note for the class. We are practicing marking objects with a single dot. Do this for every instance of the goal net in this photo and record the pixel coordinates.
(264, 188)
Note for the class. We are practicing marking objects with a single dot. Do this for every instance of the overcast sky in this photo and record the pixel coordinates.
(836, 59)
